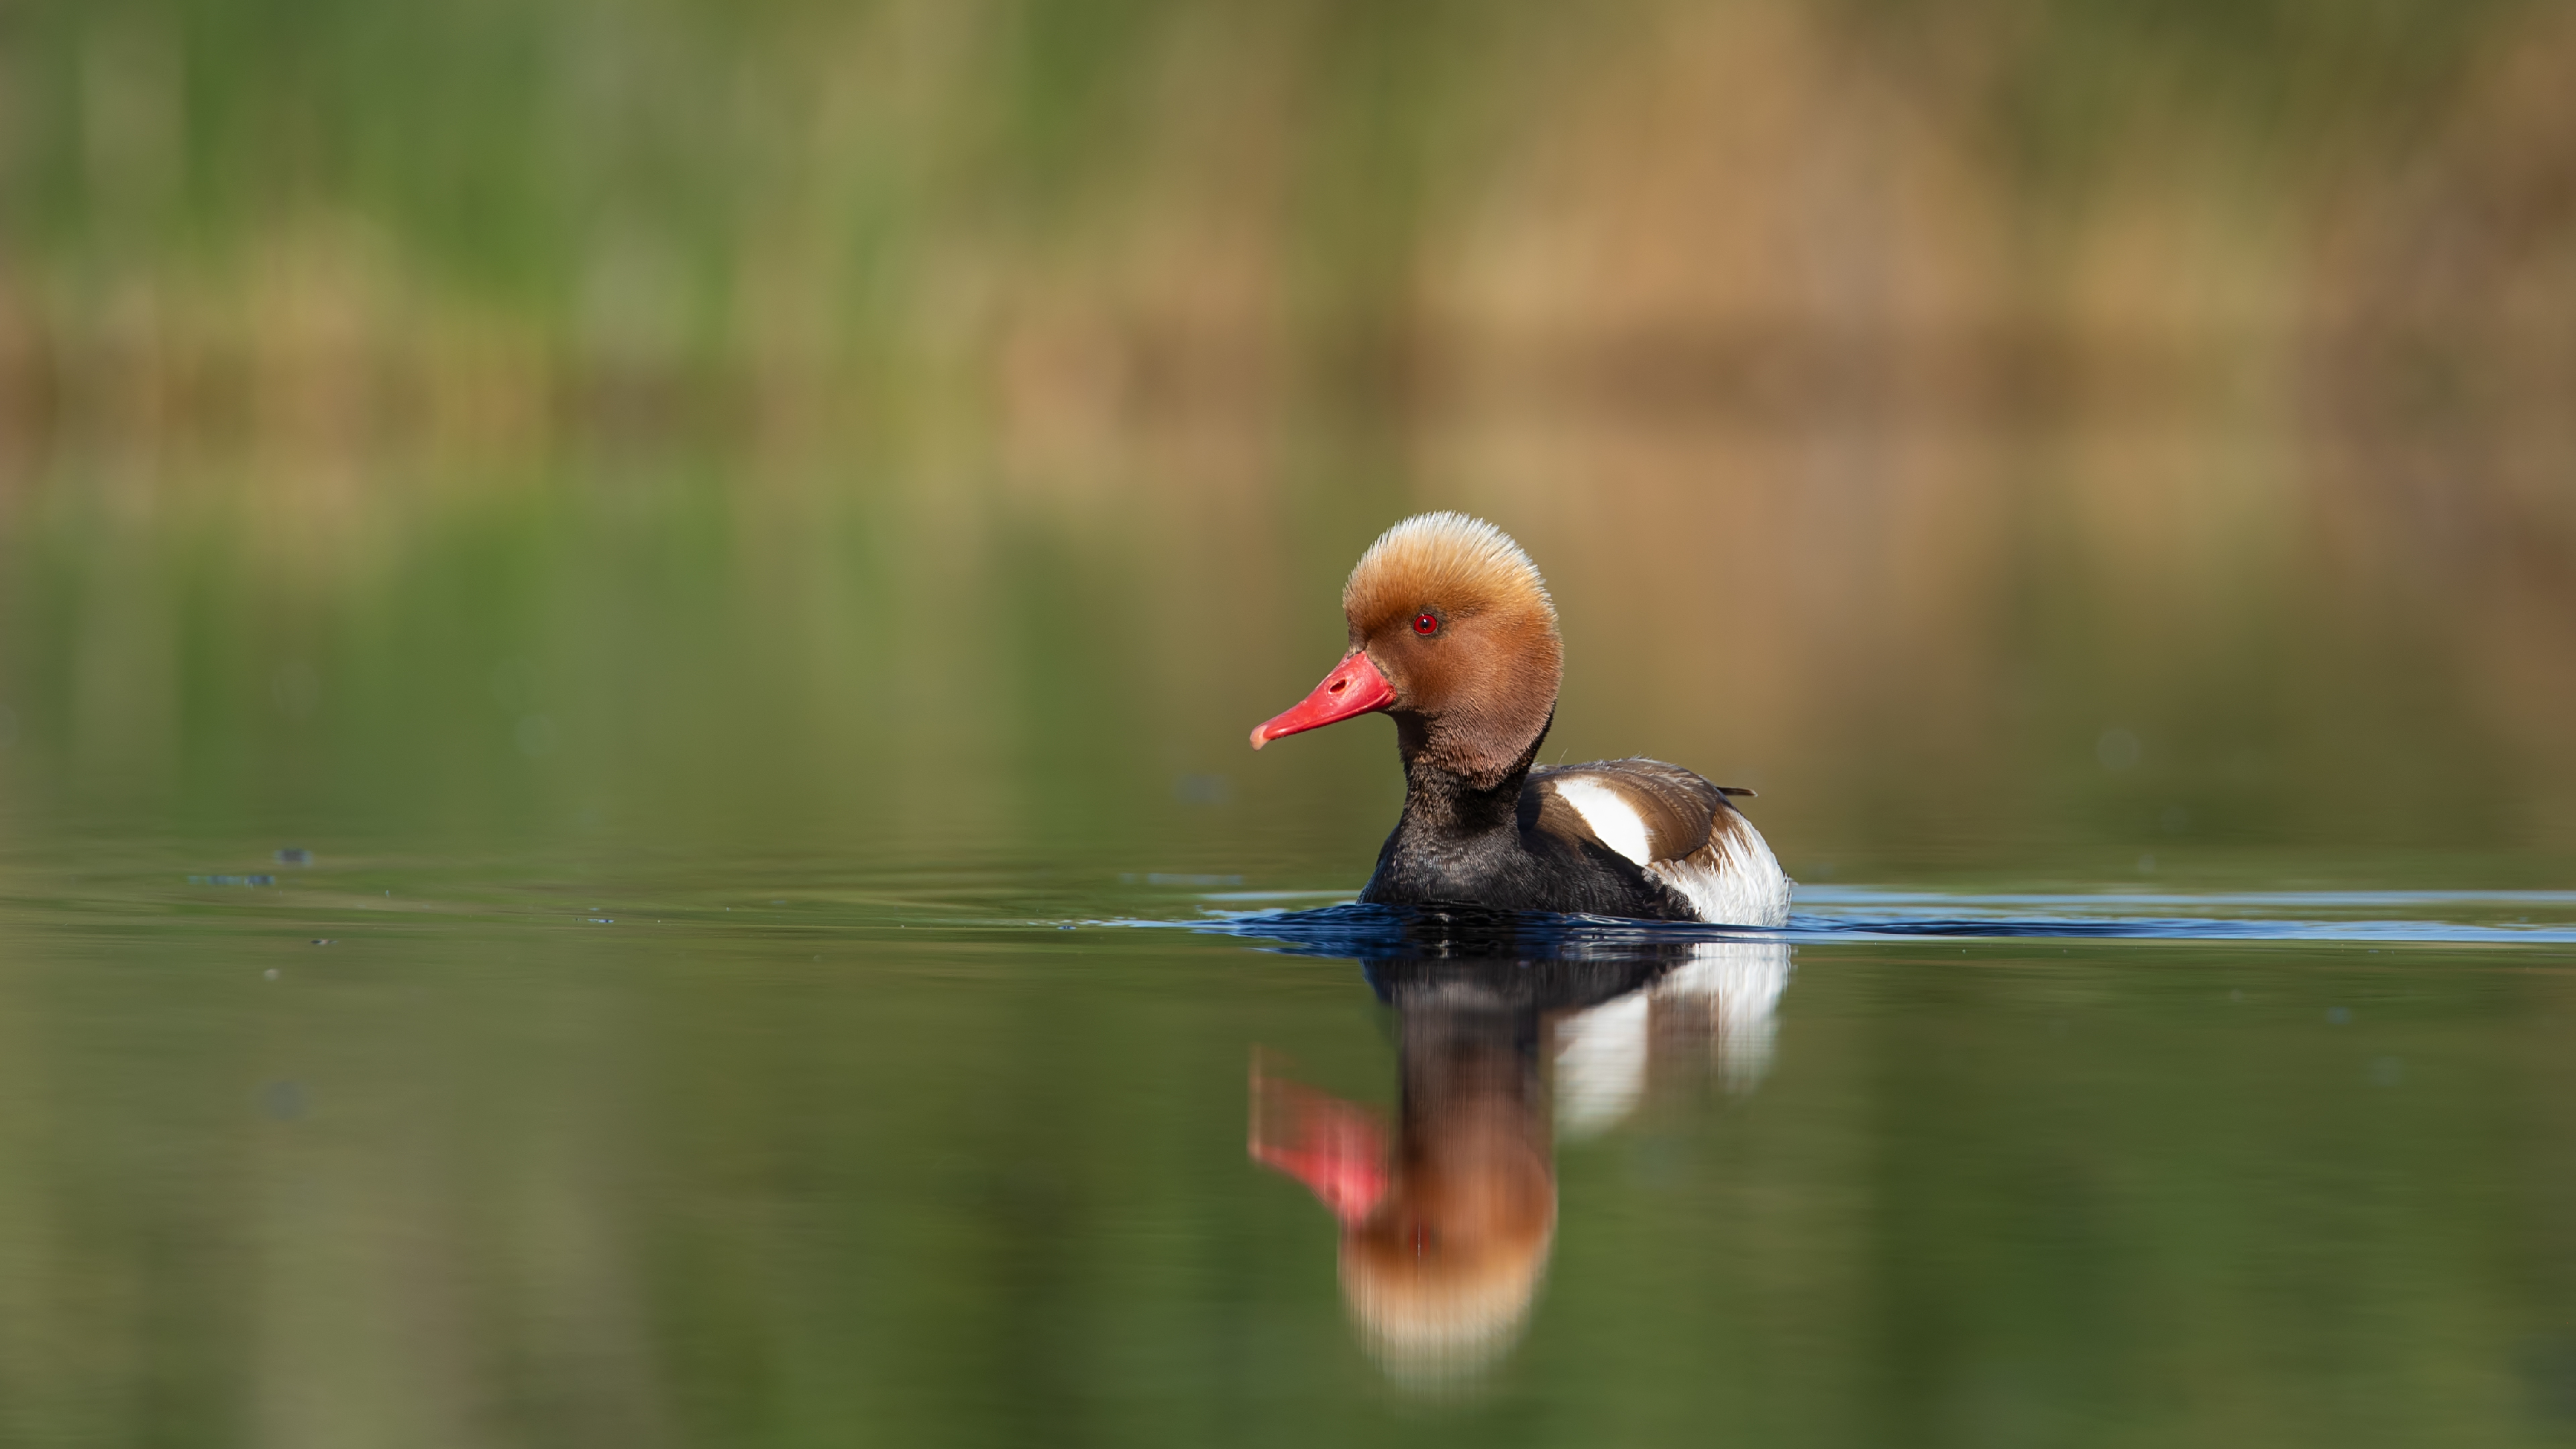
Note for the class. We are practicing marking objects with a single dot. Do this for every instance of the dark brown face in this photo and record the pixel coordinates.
(1479, 679)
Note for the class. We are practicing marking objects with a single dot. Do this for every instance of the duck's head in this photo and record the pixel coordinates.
(1452, 632)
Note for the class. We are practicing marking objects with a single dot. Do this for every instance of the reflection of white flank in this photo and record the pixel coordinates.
(1600, 1066)
(1742, 981)
(1726, 995)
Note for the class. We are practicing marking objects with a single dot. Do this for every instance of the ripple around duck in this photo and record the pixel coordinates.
(2485, 918)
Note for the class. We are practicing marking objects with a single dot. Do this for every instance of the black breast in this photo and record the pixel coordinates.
(1526, 860)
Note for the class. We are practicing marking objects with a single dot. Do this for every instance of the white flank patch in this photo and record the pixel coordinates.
(1600, 1066)
(1746, 978)
(1613, 821)
(1746, 887)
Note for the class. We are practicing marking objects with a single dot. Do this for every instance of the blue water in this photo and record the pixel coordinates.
(2503, 918)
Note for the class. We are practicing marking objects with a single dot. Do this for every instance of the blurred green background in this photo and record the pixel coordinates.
(2013, 435)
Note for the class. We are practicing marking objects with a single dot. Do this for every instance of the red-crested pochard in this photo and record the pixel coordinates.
(1452, 632)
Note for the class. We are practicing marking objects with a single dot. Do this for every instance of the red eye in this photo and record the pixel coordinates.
(1426, 624)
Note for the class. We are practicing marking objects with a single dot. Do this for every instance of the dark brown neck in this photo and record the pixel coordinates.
(1447, 796)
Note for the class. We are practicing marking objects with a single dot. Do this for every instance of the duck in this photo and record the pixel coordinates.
(1453, 635)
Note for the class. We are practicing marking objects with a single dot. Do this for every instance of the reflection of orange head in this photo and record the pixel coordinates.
(1444, 1240)
(1440, 1278)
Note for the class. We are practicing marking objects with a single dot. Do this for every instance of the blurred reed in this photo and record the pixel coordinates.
(1943, 388)
(346, 217)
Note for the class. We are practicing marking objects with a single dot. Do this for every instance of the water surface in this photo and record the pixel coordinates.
(763, 1150)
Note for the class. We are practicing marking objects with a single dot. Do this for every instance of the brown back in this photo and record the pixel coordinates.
(1682, 812)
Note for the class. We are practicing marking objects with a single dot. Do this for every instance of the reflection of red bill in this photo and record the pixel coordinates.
(1336, 1148)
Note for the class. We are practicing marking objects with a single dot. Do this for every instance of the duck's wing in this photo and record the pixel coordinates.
(1679, 828)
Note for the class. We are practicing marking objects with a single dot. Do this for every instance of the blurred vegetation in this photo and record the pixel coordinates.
(1949, 386)
(788, 209)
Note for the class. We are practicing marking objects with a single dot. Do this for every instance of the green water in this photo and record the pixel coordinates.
(723, 1003)
(780, 1151)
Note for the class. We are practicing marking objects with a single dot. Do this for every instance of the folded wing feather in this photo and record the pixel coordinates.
(1678, 827)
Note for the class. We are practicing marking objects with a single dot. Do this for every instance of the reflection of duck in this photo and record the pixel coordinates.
(1453, 634)
(1446, 1230)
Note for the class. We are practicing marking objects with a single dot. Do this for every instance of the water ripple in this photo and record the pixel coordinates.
(2484, 918)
